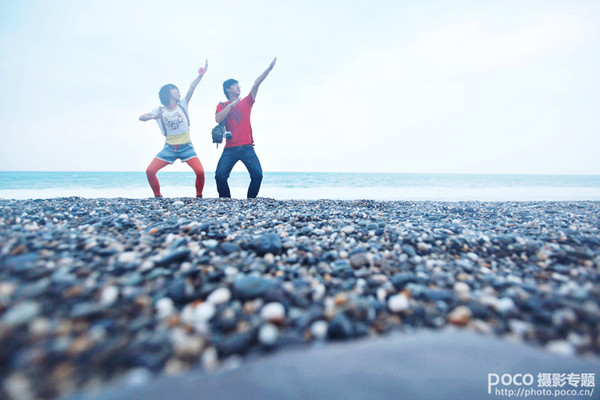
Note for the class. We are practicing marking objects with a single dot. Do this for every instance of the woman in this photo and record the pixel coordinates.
(173, 120)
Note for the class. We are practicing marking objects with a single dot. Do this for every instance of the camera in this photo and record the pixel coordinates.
(228, 135)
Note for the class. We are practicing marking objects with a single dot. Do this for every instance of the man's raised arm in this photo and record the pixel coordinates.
(261, 78)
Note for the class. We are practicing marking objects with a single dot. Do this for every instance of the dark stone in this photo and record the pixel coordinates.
(290, 339)
(314, 313)
(402, 279)
(267, 243)
(32, 290)
(299, 300)
(22, 264)
(204, 259)
(155, 360)
(275, 294)
(226, 319)
(341, 265)
(479, 311)
(438, 295)
(177, 290)
(408, 249)
(236, 343)
(87, 311)
(582, 253)
(203, 228)
(358, 260)
(251, 287)
(175, 256)
(372, 226)
(228, 248)
(206, 289)
(340, 328)
(329, 256)
(361, 329)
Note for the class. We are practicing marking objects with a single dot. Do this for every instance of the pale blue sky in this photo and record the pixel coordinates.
(381, 86)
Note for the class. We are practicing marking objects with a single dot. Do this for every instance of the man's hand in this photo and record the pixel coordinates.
(234, 103)
(261, 78)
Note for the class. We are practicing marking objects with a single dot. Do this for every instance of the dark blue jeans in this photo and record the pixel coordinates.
(228, 159)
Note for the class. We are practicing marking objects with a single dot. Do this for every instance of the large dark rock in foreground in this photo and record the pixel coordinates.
(451, 365)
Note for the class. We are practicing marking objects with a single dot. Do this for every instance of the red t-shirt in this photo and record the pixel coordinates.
(238, 122)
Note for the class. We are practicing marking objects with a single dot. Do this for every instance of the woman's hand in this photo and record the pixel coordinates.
(149, 116)
(195, 83)
(202, 71)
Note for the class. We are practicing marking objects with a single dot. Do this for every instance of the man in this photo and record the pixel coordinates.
(240, 145)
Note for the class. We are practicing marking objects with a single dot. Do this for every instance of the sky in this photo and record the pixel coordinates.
(359, 86)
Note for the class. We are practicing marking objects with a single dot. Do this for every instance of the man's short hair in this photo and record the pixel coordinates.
(227, 84)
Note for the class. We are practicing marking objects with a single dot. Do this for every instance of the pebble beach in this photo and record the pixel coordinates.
(98, 290)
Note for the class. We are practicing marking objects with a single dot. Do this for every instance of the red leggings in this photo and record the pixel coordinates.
(157, 164)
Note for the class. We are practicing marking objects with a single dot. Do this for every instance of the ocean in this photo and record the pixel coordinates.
(309, 186)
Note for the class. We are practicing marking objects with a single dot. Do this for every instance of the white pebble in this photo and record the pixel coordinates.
(519, 327)
(505, 305)
(210, 244)
(268, 334)
(543, 255)
(319, 330)
(210, 359)
(269, 258)
(204, 312)
(109, 295)
(178, 203)
(138, 377)
(318, 292)
(39, 327)
(472, 256)
(398, 303)
(127, 257)
(488, 300)
(219, 296)
(273, 312)
(21, 313)
(561, 347)
(146, 265)
(190, 346)
(18, 386)
(7, 289)
(462, 288)
(98, 333)
(164, 307)
(381, 294)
